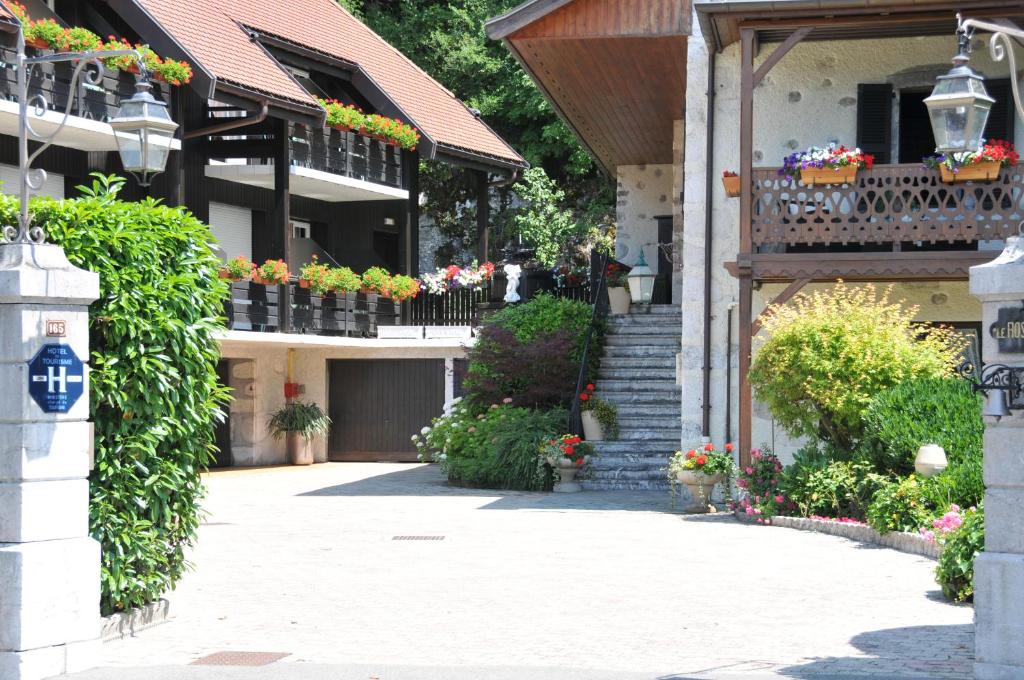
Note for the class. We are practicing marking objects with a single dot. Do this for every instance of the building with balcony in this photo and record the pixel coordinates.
(255, 159)
(670, 98)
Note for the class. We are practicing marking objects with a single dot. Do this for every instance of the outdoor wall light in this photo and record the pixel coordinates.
(930, 460)
(144, 131)
(641, 280)
(959, 105)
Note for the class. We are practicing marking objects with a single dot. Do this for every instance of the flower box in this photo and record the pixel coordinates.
(844, 174)
(977, 172)
(732, 186)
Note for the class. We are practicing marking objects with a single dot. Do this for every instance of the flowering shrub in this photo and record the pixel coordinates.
(404, 287)
(962, 537)
(78, 39)
(451, 277)
(832, 157)
(616, 276)
(237, 269)
(759, 487)
(606, 413)
(393, 131)
(997, 150)
(377, 280)
(45, 33)
(828, 488)
(899, 506)
(271, 272)
(344, 280)
(341, 116)
(569, 447)
(316, 276)
(707, 460)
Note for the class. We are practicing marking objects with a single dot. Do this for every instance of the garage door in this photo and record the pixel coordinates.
(377, 405)
(232, 227)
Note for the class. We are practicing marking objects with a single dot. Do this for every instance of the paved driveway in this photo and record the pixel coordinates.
(597, 585)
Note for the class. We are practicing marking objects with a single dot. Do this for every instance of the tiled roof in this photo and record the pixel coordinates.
(214, 32)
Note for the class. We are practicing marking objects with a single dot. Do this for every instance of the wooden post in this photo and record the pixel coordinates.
(745, 347)
(483, 215)
(279, 216)
(746, 240)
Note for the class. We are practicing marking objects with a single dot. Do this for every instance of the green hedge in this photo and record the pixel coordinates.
(154, 395)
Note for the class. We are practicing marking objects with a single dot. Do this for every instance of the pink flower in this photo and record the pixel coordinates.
(757, 511)
(750, 510)
(757, 499)
(779, 499)
(749, 470)
(755, 454)
(742, 483)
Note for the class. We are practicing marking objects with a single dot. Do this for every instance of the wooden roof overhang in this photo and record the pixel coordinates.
(614, 70)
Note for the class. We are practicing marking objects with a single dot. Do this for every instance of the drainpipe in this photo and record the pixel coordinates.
(709, 160)
(231, 123)
(728, 373)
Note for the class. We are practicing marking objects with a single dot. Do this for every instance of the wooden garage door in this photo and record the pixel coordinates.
(377, 405)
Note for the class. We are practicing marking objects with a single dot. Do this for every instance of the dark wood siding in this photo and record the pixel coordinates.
(377, 405)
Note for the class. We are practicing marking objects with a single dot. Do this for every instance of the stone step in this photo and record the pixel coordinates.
(637, 447)
(666, 361)
(638, 309)
(645, 319)
(636, 373)
(660, 421)
(642, 399)
(649, 433)
(648, 385)
(625, 485)
(634, 351)
(631, 462)
(648, 410)
(673, 341)
(641, 331)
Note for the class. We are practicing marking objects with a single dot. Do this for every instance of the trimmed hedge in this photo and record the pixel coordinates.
(154, 395)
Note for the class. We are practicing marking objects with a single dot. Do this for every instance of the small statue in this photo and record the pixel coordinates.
(512, 273)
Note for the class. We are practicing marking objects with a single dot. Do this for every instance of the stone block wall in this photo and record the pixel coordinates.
(642, 192)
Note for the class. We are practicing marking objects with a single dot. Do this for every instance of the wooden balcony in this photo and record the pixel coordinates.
(347, 154)
(890, 205)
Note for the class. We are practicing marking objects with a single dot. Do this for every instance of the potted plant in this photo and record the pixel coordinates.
(404, 288)
(699, 471)
(173, 72)
(299, 423)
(237, 269)
(78, 39)
(315, 276)
(566, 455)
(980, 165)
(616, 280)
(377, 280)
(600, 418)
(731, 182)
(271, 273)
(342, 117)
(43, 34)
(344, 280)
(829, 165)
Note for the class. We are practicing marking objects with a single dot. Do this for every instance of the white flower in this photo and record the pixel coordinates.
(425, 431)
(443, 456)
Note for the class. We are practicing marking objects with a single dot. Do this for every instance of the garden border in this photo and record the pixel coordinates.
(124, 624)
(897, 540)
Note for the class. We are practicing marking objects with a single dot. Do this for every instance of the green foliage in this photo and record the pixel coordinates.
(607, 416)
(829, 488)
(309, 420)
(542, 221)
(943, 411)
(901, 505)
(961, 483)
(829, 353)
(955, 571)
(545, 314)
(154, 395)
(495, 448)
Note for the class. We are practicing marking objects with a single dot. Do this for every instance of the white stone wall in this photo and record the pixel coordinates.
(642, 192)
(809, 98)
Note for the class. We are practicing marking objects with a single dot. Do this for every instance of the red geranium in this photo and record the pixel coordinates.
(701, 459)
(584, 396)
(691, 453)
(728, 448)
(590, 387)
(709, 447)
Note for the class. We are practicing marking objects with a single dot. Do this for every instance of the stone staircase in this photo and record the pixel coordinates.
(638, 376)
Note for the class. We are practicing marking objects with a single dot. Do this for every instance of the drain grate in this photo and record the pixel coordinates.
(417, 538)
(240, 658)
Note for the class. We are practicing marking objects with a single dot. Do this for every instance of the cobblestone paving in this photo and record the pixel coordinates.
(609, 584)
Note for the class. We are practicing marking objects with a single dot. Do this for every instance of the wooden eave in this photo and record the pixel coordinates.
(614, 70)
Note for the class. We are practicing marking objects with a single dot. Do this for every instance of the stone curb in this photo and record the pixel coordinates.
(128, 623)
(897, 540)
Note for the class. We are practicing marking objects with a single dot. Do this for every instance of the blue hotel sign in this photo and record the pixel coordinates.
(56, 378)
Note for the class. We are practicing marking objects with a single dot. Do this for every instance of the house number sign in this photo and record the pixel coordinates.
(1008, 330)
(56, 378)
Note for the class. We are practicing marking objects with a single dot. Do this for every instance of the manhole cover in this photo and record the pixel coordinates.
(417, 538)
(239, 658)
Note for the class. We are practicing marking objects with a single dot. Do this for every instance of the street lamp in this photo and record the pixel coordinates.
(959, 105)
(641, 280)
(142, 128)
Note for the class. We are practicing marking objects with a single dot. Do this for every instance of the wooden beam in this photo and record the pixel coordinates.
(746, 137)
(780, 51)
(483, 216)
(782, 298)
(746, 411)
(279, 218)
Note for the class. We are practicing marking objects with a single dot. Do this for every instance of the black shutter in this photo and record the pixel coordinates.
(874, 120)
(1001, 117)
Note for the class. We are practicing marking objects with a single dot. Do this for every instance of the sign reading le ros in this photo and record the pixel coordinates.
(56, 377)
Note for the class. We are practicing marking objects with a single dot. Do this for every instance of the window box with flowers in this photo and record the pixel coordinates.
(616, 280)
(566, 455)
(237, 269)
(600, 419)
(316, 277)
(978, 166)
(829, 165)
(731, 182)
(699, 471)
(271, 273)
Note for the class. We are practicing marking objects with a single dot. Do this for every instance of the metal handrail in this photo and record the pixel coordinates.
(599, 302)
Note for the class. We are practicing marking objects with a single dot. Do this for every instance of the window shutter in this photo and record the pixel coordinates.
(1001, 117)
(874, 120)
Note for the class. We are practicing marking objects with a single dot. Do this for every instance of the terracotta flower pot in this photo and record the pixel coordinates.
(300, 449)
(263, 281)
(592, 430)
(816, 176)
(732, 186)
(977, 172)
(619, 300)
(700, 486)
(37, 43)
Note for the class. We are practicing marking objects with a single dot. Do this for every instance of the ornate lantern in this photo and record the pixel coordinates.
(959, 105)
(641, 281)
(144, 131)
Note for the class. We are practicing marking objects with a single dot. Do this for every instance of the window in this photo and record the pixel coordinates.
(300, 229)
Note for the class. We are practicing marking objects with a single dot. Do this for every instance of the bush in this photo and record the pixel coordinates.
(955, 571)
(154, 395)
(901, 505)
(829, 353)
(943, 411)
(821, 487)
(961, 484)
(759, 486)
(497, 448)
(531, 353)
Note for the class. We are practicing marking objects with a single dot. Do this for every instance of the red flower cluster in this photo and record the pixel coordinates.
(451, 271)
(587, 393)
(568, 446)
(998, 150)
(729, 173)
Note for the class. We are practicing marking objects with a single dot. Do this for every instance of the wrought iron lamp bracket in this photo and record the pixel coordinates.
(993, 377)
(1000, 47)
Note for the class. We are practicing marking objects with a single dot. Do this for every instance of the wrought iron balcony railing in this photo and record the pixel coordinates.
(889, 204)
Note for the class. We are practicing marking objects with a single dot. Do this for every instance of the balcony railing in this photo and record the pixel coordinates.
(347, 154)
(890, 204)
(95, 102)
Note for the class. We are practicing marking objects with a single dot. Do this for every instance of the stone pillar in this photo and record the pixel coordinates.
(49, 566)
(999, 570)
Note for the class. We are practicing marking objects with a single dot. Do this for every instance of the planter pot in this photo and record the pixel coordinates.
(978, 172)
(592, 430)
(225, 275)
(566, 471)
(300, 449)
(843, 175)
(619, 300)
(694, 482)
(264, 282)
(303, 283)
(37, 43)
(732, 186)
